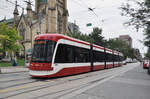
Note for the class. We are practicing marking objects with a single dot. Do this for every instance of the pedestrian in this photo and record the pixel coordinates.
(14, 61)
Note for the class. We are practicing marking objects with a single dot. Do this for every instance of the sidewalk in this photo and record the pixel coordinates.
(13, 69)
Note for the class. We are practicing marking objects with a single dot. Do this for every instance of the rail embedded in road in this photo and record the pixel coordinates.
(60, 85)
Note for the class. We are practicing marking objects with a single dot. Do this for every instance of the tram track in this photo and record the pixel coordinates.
(69, 90)
(14, 85)
(76, 88)
(46, 85)
(50, 83)
(34, 89)
(13, 74)
(14, 80)
(57, 92)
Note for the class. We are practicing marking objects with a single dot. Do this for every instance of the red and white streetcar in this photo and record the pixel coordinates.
(56, 55)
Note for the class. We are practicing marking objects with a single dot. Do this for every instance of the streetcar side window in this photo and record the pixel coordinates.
(116, 58)
(64, 54)
(59, 54)
(120, 58)
(81, 55)
(71, 54)
(109, 57)
(98, 56)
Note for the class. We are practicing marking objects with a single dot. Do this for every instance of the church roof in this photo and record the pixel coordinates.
(11, 20)
(8, 21)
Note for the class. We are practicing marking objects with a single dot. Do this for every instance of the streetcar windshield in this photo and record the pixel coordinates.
(43, 51)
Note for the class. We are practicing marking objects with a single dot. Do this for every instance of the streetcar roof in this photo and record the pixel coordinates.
(55, 37)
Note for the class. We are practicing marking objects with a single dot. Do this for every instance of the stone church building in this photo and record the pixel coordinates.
(49, 16)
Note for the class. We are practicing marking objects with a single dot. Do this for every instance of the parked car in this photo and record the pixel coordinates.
(129, 60)
(145, 64)
(124, 62)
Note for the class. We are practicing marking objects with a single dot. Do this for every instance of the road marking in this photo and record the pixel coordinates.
(24, 86)
(31, 85)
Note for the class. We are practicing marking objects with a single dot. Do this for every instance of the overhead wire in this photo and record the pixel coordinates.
(81, 3)
(6, 6)
(14, 3)
(92, 10)
(89, 9)
(85, 5)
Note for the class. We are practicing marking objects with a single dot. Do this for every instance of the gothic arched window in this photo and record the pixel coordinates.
(22, 31)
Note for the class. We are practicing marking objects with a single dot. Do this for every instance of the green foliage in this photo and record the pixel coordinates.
(20, 62)
(97, 37)
(147, 38)
(138, 14)
(119, 45)
(147, 55)
(3, 38)
(9, 38)
(79, 35)
(116, 44)
(139, 17)
(5, 64)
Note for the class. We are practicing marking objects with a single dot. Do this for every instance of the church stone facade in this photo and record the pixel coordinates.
(49, 16)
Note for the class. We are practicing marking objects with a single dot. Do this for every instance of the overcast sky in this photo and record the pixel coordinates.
(107, 17)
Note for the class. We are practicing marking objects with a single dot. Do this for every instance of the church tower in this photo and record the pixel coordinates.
(29, 12)
(65, 18)
(16, 13)
(51, 14)
(40, 5)
(55, 13)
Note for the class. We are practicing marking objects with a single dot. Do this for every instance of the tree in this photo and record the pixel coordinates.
(79, 35)
(147, 55)
(119, 45)
(3, 40)
(9, 38)
(139, 17)
(96, 36)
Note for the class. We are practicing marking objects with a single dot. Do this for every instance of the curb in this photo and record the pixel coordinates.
(4, 70)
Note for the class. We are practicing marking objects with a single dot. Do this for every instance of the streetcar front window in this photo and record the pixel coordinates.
(43, 51)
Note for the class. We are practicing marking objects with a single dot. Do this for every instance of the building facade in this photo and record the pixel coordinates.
(49, 16)
(127, 39)
(73, 28)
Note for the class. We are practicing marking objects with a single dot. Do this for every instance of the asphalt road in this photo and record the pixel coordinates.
(127, 82)
(134, 84)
